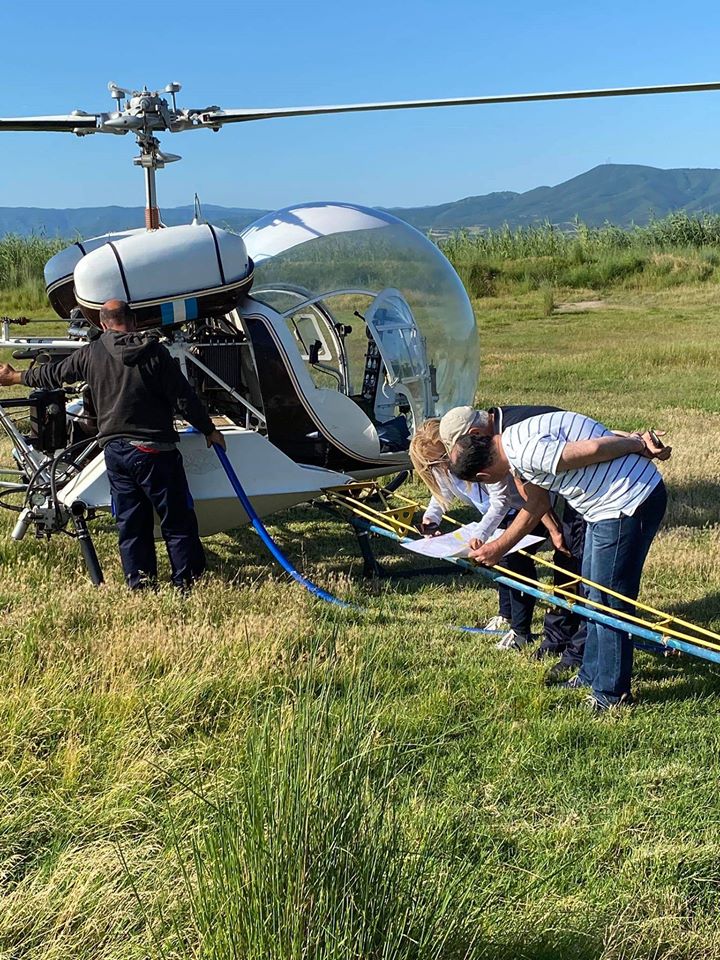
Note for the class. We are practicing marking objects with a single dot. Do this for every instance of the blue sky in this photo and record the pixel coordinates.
(60, 56)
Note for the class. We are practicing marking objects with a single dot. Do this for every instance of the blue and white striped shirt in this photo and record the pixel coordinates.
(602, 491)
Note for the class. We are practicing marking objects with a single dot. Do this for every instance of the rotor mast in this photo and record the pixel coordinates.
(150, 159)
(143, 113)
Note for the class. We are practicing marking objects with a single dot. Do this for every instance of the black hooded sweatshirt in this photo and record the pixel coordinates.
(136, 387)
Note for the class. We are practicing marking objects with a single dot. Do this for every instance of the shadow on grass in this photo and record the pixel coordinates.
(702, 610)
(677, 678)
(693, 504)
(318, 545)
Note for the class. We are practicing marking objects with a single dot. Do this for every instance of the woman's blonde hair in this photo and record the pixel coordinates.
(428, 454)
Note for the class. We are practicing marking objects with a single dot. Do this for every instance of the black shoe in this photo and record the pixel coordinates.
(558, 673)
(542, 653)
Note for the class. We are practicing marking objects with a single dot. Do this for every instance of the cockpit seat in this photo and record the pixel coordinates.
(343, 419)
(394, 435)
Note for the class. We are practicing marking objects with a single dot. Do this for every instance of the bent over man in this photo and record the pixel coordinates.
(611, 482)
(136, 388)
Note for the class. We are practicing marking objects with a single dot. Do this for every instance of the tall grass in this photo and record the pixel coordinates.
(676, 249)
(319, 851)
(21, 270)
(577, 240)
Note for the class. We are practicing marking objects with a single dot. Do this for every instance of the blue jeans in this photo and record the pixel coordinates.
(143, 484)
(615, 551)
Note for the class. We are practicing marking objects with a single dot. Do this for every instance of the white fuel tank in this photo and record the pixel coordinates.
(167, 276)
(59, 283)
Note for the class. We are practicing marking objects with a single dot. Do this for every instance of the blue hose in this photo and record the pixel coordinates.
(261, 531)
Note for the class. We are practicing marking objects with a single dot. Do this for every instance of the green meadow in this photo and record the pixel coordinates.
(248, 774)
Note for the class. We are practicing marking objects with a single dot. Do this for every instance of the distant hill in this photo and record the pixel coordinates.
(92, 221)
(619, 193)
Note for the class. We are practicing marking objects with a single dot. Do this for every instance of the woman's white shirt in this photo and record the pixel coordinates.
(492, 500)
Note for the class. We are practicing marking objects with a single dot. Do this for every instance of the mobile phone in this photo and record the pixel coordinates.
(656, 439)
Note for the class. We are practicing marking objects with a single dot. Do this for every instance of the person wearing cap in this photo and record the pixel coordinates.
(462, 420)
(564, 632)
(610, 480)
(137, 387)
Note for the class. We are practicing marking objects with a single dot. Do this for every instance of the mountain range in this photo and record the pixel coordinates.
(619, 193)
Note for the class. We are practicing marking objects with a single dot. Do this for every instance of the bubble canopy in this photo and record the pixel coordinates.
(330, 248)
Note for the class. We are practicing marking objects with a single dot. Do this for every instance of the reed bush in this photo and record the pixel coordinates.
(314, 853)
(22, 287)
(22, 259)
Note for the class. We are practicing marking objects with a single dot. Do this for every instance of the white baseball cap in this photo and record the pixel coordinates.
(455, 424)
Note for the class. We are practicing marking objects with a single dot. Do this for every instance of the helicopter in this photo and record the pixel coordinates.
(319, 338)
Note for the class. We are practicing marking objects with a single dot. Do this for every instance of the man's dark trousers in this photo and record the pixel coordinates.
(141, 482)
(565, 632)
(517, 607)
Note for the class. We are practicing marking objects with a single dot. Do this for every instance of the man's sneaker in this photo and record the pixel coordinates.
(496, 624)
(574, 683)
(513, 641)
(558, 673)
(598, 704)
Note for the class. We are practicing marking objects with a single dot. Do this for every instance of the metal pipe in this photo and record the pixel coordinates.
(152, 214)
(30, 456)
(41, 342)
(587, 613)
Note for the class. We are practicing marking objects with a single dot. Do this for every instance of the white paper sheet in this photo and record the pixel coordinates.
(456, 544)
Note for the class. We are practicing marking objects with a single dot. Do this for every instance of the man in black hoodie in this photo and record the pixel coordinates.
(137, 388)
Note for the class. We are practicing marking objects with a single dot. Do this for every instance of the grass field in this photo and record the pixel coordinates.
(248, 774)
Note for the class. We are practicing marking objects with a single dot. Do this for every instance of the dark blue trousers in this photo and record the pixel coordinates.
(143, 484)
(565, 632)
(615, 551)
(516, 607)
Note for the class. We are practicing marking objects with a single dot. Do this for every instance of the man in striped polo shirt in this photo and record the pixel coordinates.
(610, 480)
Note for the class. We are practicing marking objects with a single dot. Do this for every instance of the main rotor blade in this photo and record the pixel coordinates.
(219, 117)
(62, 124)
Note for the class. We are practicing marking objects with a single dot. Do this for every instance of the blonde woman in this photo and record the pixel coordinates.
(496, 502)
